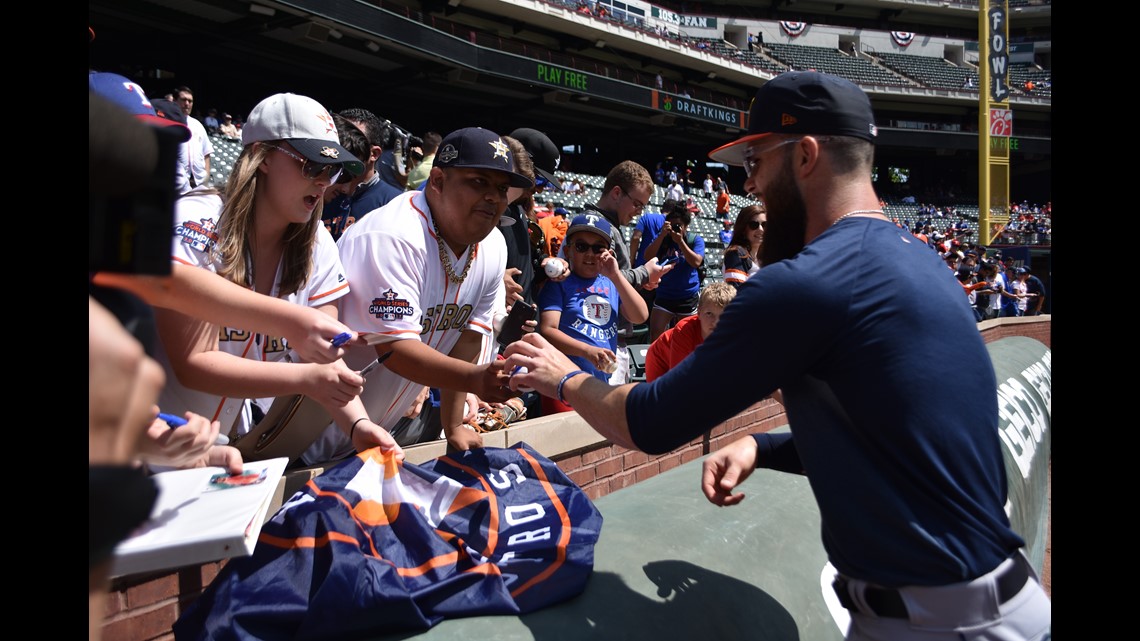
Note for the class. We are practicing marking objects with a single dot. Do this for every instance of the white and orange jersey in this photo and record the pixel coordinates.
(195, 236)
(400, 288)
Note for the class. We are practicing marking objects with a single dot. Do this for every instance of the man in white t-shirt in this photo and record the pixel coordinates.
(426, 272)
(198, 148)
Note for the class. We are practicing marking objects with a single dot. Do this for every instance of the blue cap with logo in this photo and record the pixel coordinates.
(592, 223)
(479, 148)
(131, 97)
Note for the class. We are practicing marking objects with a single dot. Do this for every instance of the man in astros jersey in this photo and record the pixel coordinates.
(425, 271)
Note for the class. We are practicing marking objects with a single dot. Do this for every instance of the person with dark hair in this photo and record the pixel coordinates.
(198, 148)
(742, 255)
(372, 192)
(1035, 288)
(912, 496)
(337, 215)
(677, 295)
(427, 279)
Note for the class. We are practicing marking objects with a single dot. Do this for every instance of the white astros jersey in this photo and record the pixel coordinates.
(399, 288)
(195, 236)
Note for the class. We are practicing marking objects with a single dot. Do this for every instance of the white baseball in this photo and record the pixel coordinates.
(522, 370)
(553, 269)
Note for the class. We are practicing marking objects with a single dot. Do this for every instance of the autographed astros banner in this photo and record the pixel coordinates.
(373, 546)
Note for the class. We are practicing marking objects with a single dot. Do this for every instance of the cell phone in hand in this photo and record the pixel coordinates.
(513, 325)
(668, 261)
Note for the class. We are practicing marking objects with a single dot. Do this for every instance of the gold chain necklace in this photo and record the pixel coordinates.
(443, 258)
(859, 211)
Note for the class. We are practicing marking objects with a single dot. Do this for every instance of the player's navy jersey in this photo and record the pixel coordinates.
(373, 546)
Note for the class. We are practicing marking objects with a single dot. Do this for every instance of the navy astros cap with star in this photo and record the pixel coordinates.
(804, 102)
(479, 148)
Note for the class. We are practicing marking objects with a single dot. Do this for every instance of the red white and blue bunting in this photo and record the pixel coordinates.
(793, 29)
(902, 38)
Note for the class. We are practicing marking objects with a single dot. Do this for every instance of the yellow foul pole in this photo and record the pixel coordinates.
(995, 119)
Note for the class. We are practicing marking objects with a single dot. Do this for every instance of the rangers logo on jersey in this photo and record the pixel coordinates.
(388, 306)
(199, 236)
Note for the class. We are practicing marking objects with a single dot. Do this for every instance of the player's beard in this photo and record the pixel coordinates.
(787, 217)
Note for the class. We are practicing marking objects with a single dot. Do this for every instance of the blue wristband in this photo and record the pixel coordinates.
(562, 382)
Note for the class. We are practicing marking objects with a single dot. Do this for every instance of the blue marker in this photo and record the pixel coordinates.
(172, 420)
(177, 421)
(341, 339)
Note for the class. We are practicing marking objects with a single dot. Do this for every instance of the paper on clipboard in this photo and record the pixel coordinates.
(201, 515)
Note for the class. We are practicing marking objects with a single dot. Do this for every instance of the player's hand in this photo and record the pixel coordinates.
(514, 289)
(181, 447)
(313, 334)
(727, 468)
(331, 385)
(545, 364)
(463, 437)
(368, 435)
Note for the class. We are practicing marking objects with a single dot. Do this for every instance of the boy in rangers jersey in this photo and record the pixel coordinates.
(579, 314)
(426, 272)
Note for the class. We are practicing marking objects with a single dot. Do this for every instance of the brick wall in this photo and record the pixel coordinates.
(144, 607)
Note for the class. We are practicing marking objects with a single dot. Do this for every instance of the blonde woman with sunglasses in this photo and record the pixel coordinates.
(265, 233)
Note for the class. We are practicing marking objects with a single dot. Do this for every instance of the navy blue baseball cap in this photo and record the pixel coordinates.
(804, 102)
(479, 148)
(592, 223)
(543, 153)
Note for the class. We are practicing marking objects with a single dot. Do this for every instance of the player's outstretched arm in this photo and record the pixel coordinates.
(598, 403)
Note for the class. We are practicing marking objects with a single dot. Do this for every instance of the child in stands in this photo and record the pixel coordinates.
(579, 314)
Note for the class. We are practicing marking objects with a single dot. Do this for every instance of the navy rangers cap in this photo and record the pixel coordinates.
(131, 97)
(479, 148)
(804, 102)
(592, 223)
(304, 124)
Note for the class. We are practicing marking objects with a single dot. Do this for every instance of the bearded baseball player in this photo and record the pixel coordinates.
(426, 271)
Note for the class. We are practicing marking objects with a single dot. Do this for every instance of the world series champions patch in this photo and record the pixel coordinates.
(201, 236)
(389, 306)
